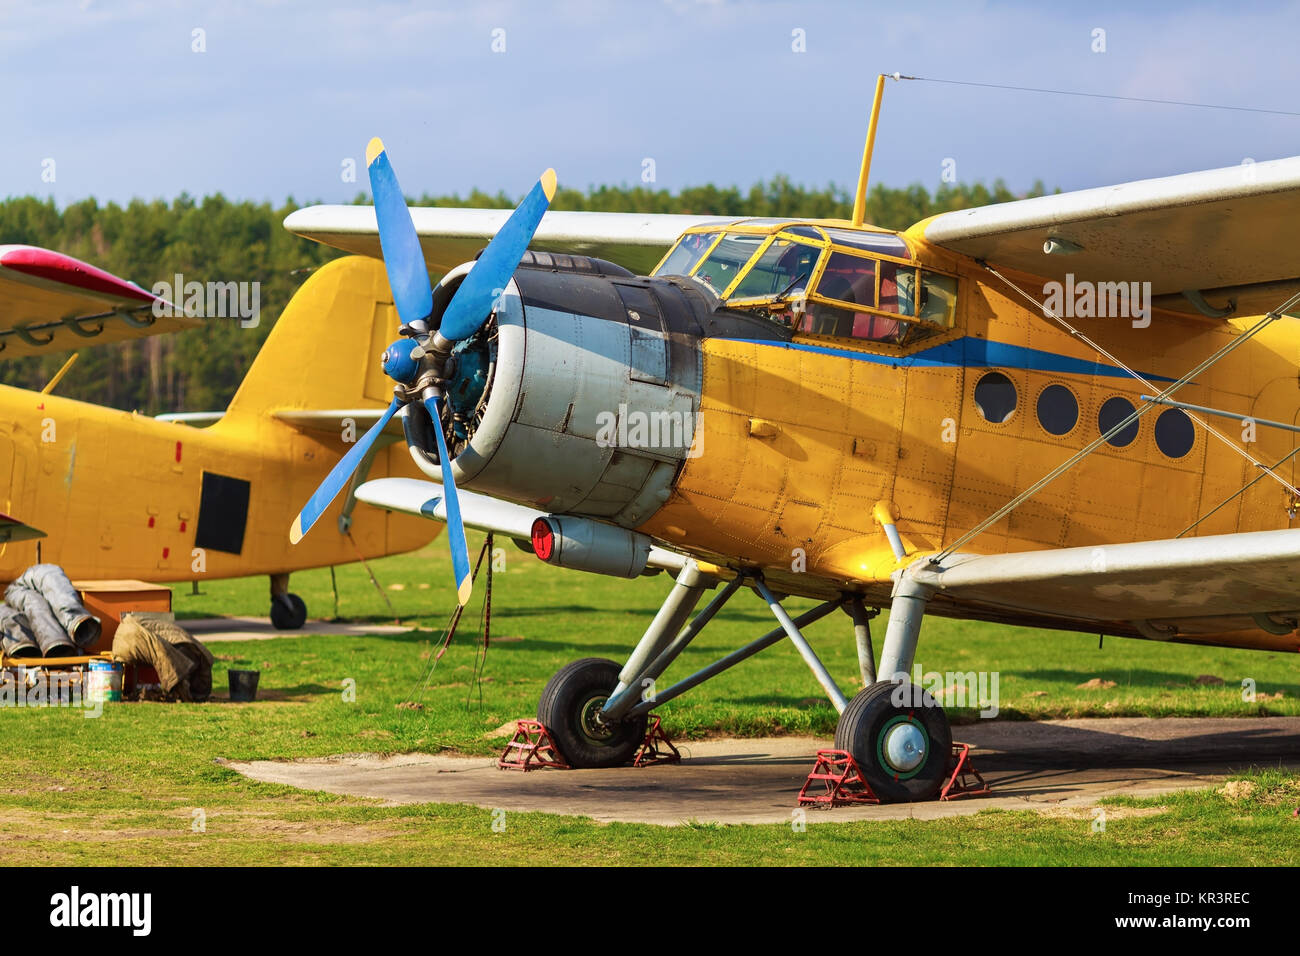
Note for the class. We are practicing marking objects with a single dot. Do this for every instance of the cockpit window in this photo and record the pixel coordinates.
(689, 250)
(783, 268)
(723, 264)
(880, 289)
(849, 278)
(885, 243)
(820, 279)
(897, 288)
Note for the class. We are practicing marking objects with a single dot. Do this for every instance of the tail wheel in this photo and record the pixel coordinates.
(570, 710)
(900, 738)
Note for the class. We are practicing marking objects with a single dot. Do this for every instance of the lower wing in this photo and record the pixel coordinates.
(1234, 590)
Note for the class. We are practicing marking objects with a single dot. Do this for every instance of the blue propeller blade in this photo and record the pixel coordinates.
(339, 476)
(407, 275)
(472, 303)
(455, 527)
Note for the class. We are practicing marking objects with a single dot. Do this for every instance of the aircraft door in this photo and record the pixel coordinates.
(927, 452)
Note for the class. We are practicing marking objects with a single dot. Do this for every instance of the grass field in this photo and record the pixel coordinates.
(125, 788)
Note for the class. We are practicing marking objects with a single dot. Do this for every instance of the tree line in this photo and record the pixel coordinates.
(217, 238)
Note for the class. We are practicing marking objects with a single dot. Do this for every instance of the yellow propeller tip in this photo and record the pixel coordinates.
(464, 591)
(548, 184)
(373, 149)
(295, 532)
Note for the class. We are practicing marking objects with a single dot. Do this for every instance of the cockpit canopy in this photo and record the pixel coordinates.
(819, 280)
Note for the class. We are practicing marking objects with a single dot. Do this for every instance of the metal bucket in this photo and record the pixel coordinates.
(243, 684)
(104, 681)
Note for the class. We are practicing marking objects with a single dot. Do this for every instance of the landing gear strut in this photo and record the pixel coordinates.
(288, 612)
(897, 733)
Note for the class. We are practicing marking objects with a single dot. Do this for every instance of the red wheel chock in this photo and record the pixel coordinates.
(531, 748)
(656, 748)
(965, 780)
(842, 781)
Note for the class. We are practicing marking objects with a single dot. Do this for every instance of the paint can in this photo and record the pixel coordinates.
(104, 681)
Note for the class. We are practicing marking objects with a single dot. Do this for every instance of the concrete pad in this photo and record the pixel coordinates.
(215, 629)
(1039, 766)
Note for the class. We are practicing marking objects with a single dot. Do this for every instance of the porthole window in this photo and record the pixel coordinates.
(1175, 433)
(1058, 409)
(995, 397)
(1113, 411)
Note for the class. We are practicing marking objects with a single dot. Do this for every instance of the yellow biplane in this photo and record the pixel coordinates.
(1077, 411)
(113, 494)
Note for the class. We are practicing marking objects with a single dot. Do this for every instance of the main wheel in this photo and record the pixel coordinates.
(900, 738)
(288, 612)
(570, 710)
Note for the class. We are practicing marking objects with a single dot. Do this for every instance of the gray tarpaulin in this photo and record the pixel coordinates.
(16, 638)
(50, 635)
(54, 586)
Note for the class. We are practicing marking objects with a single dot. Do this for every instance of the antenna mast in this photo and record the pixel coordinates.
(860, 199)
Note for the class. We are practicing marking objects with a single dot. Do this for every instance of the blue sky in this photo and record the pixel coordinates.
(285, 92)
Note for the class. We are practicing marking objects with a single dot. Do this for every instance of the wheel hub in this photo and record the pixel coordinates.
(903, 744)
(590, 720)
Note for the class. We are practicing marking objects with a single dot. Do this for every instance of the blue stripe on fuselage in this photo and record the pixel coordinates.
(970, 352)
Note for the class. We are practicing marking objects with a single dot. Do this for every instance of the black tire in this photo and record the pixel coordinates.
(288, 612)
(567, 708)
(876, 710)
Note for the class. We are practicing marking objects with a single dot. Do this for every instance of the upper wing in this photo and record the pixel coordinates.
(481, 512)
(1230, 233)
(1235, 589)
(49, 302)
(636, 241)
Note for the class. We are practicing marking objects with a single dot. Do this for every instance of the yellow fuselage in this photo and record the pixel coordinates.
(801, 440)
(119, 494)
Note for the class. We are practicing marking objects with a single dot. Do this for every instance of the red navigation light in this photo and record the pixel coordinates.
(543, 539)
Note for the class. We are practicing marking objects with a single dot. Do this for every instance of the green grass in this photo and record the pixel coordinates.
(123, 788)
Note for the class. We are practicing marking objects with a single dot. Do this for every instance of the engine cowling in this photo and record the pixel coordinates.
(581, 394)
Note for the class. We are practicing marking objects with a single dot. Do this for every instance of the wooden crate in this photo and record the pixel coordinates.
(109, 600)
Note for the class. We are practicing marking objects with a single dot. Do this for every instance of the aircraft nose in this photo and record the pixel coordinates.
(398, 363)
(580, 396)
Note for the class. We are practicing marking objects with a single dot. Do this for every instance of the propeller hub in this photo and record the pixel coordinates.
(399, 364)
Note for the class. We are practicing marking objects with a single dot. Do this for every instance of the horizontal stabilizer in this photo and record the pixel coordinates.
(334, 422)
